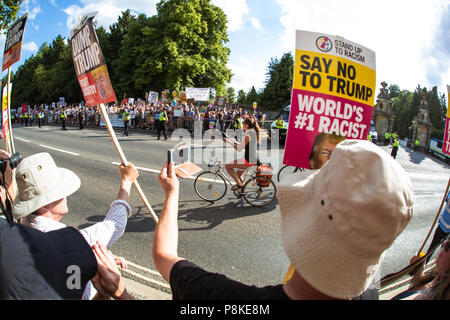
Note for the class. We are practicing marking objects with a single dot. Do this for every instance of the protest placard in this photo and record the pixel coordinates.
(13, 44)
(153, 97)
(90, 66)
(93, 76)
(199, 94)
(221, 101)
(333, 94)
(5, 119)
(446, 144)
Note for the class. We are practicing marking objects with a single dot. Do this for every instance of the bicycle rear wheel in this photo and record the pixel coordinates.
(259, 191)
(287, 170)
(210, 186)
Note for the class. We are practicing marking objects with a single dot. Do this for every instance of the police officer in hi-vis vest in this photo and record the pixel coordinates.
(63, 119)
(161, 123)
(41, 118)
(126, 121)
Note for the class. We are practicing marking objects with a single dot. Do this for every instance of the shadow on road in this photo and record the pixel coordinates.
(206, 216)
(416, 157)
(210, 216)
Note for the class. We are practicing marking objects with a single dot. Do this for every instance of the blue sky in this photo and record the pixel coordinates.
(410, 37)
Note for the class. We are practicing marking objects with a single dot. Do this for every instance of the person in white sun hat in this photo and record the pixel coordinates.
(338, 222)
(336, 225)
(41, 201)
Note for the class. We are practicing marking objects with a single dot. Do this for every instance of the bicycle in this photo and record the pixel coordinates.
(287, 170)
(211, 186)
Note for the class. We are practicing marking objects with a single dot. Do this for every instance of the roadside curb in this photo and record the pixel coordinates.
(144, 292)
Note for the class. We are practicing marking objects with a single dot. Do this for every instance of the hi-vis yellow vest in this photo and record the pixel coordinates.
(279, 124)
(162, 116)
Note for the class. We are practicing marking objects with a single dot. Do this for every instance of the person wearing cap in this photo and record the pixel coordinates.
(336, 226)
(41, 201)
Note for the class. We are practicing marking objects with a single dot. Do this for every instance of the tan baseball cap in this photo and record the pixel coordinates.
(338, 222)
(40, 182)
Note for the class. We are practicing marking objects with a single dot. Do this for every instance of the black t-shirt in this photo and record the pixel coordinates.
(190, 282)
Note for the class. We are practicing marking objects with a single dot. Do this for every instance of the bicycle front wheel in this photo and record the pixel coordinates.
(287, 170)
(259, 191)
(210, 186)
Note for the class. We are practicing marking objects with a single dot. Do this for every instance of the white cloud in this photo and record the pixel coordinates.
(398, 31)
(236, 12)
(32, 8)
(247, 74)
(256, 23)
(109, 10)
(53, 2)
(32, 46)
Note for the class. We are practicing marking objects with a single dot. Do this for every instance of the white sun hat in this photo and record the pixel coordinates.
(338, 222)
(40, 182)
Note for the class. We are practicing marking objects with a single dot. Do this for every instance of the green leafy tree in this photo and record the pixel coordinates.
(184, 46)
(241, 97)
(394, 91)
(252, 96)
(279, 79)
(231, 95)
(8, 12)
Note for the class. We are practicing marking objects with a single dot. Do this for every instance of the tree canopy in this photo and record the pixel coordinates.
(8, 12)
(183, 45)
(406, 107)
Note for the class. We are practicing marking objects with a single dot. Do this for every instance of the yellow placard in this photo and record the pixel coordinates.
(331, 75)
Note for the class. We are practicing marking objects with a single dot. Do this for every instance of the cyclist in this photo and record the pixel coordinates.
(252, 137)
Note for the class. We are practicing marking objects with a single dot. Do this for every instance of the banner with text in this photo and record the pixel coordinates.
(5, 118)
(199, 94)
(446, 144)
(333, 94)
(90, 66)
(153, 97)
(13, 44)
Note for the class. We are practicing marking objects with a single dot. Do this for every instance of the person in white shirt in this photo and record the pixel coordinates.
(41, 201)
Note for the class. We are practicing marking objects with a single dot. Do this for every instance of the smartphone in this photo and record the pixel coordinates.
(179, 155)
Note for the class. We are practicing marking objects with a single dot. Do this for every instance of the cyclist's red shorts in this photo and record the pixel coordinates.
(248, 164)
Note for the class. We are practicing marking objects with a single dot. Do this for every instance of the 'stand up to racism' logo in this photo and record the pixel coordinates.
(324, 44)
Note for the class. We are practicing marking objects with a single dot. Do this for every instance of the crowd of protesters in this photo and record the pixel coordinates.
(145, 117)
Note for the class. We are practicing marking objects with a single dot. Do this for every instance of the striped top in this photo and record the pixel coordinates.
(444, 221)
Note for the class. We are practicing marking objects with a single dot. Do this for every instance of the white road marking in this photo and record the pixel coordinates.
(64, 151)
(22, 139)
(143, 268)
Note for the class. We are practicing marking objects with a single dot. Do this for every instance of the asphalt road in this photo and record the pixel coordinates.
(228, 237)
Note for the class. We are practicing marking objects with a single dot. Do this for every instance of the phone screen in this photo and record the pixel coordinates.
(180, 155)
